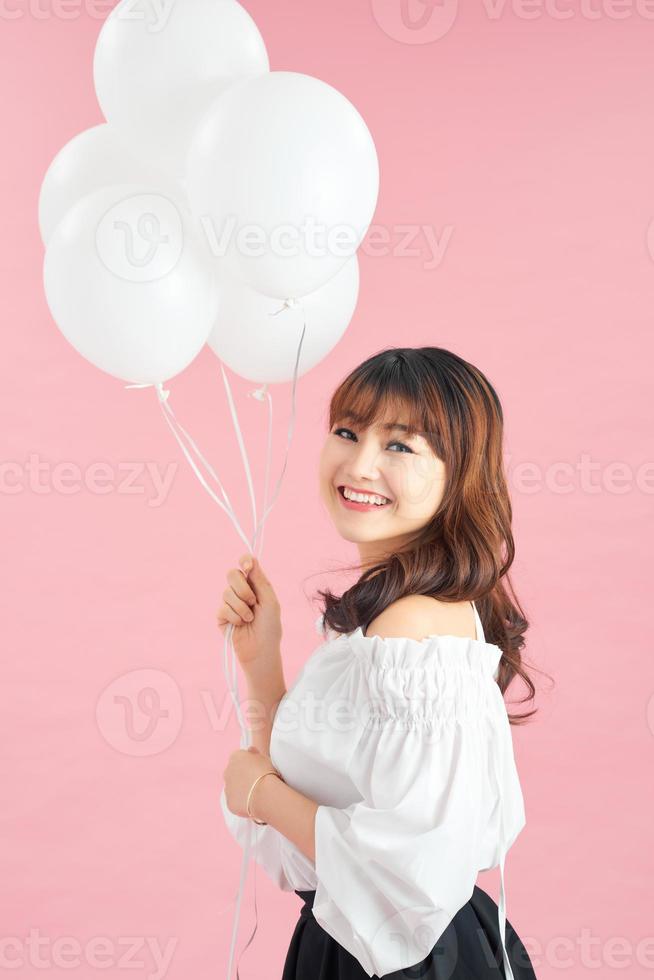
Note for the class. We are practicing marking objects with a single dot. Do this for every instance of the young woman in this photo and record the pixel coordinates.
(384, 779)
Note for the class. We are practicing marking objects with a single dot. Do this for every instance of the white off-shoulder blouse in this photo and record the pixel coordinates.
(406, 746)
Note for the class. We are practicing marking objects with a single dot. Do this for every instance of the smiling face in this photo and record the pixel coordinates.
(400, 466)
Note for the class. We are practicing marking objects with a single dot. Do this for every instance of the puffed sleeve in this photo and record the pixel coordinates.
(284, 864)
(394, 867)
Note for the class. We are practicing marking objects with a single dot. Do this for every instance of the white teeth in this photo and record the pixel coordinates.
(364, 498)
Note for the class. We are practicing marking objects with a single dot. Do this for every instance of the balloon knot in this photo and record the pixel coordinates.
(259, 393)
(163, 394)
(289, 304)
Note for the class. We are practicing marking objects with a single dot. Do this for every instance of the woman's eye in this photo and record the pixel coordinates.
(394, 443)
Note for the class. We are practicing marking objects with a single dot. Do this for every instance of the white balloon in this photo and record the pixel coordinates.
(94, 158)
(271, 152)
(262, 347)
(157, 68)
(129, 285)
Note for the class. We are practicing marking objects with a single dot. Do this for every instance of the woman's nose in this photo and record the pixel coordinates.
(364, 464)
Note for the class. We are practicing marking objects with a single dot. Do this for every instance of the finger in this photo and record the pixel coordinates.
(240, 608)
(257, 578)
(227, 616)
(239, 583)
(257, 572)
(249, 567)
(224, 623)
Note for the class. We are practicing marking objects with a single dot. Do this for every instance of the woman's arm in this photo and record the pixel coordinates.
(289, 812)
(265, 691)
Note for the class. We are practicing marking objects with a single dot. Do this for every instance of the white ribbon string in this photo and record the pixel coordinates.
(508, 972)
(501, 909)
(191, 450)
(241, 445)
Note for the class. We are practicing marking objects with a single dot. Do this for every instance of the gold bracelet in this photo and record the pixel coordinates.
(247, 805)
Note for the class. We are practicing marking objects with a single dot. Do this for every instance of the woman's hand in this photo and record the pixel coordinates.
(242, 769)
(251, 605)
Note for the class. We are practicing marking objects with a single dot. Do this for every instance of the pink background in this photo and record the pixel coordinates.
(530, 139)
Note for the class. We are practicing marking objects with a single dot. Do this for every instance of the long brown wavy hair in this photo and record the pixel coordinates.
(466, 549)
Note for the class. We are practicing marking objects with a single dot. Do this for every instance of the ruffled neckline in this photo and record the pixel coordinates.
(405, 652)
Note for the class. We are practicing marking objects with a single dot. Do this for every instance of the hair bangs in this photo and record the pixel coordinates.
(367, 405)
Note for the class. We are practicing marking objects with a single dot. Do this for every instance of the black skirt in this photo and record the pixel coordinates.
(469, 949)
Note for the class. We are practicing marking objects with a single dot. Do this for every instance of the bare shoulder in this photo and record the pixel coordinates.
(418, 616)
